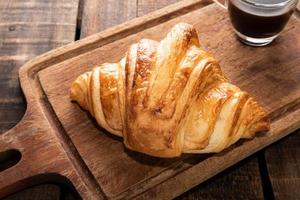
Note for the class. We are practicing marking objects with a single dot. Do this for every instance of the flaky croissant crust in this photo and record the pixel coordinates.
(169, 97)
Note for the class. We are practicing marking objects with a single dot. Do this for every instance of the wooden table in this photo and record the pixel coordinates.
(31, 27)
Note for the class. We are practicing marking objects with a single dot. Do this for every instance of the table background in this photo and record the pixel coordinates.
(31, 27)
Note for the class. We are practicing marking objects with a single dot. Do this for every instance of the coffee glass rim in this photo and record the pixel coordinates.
(274, 5)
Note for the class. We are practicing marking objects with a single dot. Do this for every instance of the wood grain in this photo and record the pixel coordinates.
(46, 191)
(45, 155)
(147, 6)
(27, 29)
(101, 14)
(283, 164)
(241, 181)
(98, 15)
(41, 192)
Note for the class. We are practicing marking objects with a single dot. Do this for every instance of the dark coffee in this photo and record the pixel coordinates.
(257, 24)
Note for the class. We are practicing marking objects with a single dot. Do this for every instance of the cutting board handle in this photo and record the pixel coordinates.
(16, 156)
(32, 154)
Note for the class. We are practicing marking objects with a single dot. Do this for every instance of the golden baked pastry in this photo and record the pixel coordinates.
(169, 97)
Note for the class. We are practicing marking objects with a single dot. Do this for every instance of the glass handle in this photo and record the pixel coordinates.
(222, 3)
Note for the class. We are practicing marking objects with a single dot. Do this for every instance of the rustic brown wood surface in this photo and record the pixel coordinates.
(257, 192)
(29, 28)
(283, 163)
(101, 14)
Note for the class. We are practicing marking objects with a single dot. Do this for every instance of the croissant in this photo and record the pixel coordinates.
(169, 97)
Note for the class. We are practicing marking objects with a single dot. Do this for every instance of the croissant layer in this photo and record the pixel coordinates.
(169, 97)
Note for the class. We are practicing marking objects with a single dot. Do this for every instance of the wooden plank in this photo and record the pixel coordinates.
(44, 192)
(241, 181)
(40, 192)
(27, 29)
(283, 163)
(258, 68)
(10, 113)
(100, 14)
(146, 6)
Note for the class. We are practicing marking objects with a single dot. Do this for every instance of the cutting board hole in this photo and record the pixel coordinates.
(9, 158)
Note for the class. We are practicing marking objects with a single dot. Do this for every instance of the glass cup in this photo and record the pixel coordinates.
(258, 22)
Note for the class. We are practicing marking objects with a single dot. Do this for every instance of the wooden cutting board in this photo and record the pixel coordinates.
(60, 142)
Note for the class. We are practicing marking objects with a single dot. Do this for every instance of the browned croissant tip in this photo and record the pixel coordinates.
(169, 97)
(73, 93)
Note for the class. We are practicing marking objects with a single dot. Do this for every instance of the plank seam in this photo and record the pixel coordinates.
(79, 20)
(265, 178)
